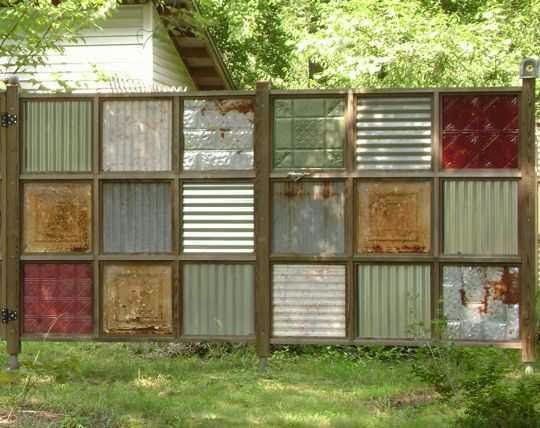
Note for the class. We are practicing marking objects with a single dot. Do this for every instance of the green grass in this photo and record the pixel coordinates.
(128, 385)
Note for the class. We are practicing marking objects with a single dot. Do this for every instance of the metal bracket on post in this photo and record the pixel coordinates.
(7, 315)
(7, 120)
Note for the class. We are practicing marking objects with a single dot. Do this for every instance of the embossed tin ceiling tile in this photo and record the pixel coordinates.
(137, 298)
(219, 299)
(137, 218)
(218, 134)
(308, 301)
(137, 135)
(308, 218)
(58, 298)
(394, 301)
(57, 136)
(481, 302)
(394, 217)
(57, 217)
(308, 133)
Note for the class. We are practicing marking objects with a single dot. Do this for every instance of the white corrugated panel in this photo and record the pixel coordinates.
(393, 133)
(308, 300)
(218, 218)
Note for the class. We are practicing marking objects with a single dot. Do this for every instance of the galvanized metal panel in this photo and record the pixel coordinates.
(219, 299)
(394, 217)
(308, 300)
(137, 218)
(308, 133)
(480, 217)
(57, 217)
(308, 218)
(394, 301)
(481, 302)
(137, 298)
(58, 298)
(137, 135)
(393, 133)
(218, 218)
(218, 134)
(57, 136)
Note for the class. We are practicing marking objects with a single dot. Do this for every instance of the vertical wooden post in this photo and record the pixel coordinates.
(527, 221)
(262, 220)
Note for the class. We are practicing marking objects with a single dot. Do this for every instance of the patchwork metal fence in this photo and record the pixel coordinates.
(332, 217)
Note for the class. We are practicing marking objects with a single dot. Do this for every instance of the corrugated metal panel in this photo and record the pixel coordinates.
(394, 301)
(393, 133)
(137, 298)
(481, 302)
(308, 133)
(219, 299)
(218, 218)
(137, 218)
(308, 300)
(57, 136)
(58, 298)
(218, 134)
(394, 217)
(480, 217)
(308, 217)
(57, 217)
(137, 135)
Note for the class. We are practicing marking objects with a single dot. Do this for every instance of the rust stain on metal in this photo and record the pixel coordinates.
(463, 296)
(242, 106)
(394, 217)
(322, 191)
(506, 289)
(137, 298)
(57, 217)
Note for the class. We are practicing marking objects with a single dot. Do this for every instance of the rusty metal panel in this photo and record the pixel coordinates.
(393, 133)
(218, 134)
(480, 131)
(137, 298)
(394, 217)
(218, 218)
(58, 298)
(219, 299)
(137, 218)
(308, 218)
(394, 301)
(308, 300)
(481, 302)
(137, 135)
(57, 217)
(57, 136)
(480, 217)
(308, 133)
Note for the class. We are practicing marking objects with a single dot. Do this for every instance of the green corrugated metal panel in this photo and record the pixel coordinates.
(218, 300)
(58, 136)
(309, 133)
(394, 301)
(480, 217)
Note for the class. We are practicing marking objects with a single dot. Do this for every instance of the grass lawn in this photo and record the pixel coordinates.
(147, 385)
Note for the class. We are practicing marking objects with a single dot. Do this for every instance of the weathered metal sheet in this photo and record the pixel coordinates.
(308, 300)
(218, 134)
(137, 218)
(394, 301)
(58, 298)
(481, 302)
(57, 217)
(218, 218)
(394, 217)
(137, 298)
(219, 299)
(308, 133)
(137, 135)
(480, 131)
(480, 217)
(57, 136)
(393, 133)
(308, 218)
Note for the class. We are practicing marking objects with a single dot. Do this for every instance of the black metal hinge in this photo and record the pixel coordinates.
(8, 119)
(7, 315)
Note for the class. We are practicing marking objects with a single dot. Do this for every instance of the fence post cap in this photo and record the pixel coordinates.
(528, 69)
